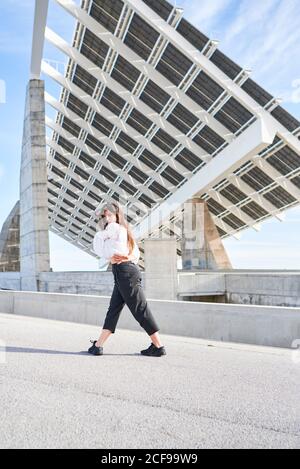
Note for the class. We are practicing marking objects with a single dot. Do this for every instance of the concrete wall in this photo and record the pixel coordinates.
(86, 283)
(208, 283)
(259, 325)
(240, 287)
(268, 288)
(10, 280)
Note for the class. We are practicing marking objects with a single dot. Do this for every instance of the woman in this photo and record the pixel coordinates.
(116, 243)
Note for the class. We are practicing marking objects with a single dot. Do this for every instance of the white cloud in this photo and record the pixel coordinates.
(249, 16)
(206, 15)
(261, 35)
(293, 95)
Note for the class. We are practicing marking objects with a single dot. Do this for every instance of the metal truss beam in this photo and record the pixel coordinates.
(145, 68)
(257, 137)
(96, 106)
(40, 20)
(133, 101)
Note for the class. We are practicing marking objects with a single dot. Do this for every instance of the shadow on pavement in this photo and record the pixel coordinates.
(62, 352)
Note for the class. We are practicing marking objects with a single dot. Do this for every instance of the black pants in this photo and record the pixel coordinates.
(128, 290)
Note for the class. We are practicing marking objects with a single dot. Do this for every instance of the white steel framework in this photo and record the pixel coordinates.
(151, 114)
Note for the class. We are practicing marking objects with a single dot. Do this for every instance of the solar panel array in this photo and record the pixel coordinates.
(122, 134)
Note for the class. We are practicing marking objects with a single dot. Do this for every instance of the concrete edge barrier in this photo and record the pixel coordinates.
(256, 325)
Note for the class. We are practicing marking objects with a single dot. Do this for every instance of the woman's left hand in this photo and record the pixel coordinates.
(119, 258)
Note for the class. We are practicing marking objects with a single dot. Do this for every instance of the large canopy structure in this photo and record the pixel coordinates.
(151, 113)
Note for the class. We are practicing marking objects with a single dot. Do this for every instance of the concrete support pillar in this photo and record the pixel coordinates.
(202, 247)
(34, 234)
(161, 280)
(10, 242)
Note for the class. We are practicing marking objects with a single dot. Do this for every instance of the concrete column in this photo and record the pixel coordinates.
(34, 234)
(161, 280)
(202, 247)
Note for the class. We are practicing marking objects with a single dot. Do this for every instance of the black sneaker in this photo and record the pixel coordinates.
(95, 350)
(154, 351)
(144, 352)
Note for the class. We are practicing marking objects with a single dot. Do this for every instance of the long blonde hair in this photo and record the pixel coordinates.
(115, 208)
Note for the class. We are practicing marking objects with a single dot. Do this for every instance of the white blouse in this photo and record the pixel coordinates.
(113, 240)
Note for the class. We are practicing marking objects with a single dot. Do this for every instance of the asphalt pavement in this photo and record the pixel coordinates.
(202, 394)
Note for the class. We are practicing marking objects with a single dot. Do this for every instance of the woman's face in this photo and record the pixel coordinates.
(110, 217)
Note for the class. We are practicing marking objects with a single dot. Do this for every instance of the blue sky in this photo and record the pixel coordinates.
(260, 35)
